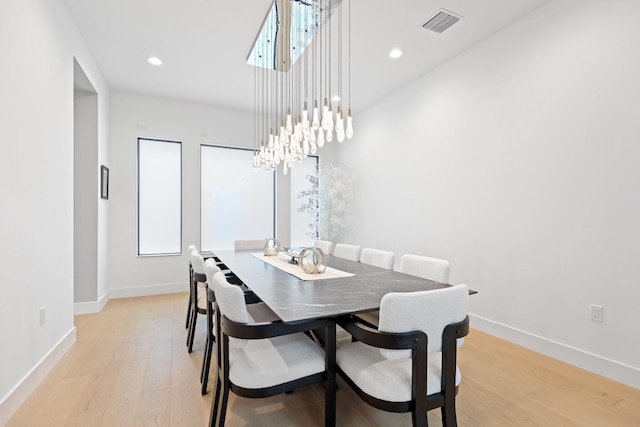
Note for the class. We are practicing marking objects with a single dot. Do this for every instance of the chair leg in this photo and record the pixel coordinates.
(419, 412)
(420, 419)
(448, 412)
(205, 378)
(190, 302)
(187, 322)
(330, 383)
(206, 360)
(223, 404)
(192, 330)
(206, 365)
(214, 404)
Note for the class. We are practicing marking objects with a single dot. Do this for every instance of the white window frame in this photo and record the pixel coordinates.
(204, 245)
(141, 206)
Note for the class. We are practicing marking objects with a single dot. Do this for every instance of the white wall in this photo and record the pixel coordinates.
(134, 116)
(38, 41)
(519, 162)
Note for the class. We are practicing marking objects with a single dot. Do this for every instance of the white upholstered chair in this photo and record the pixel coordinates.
(425, 267)
(190, 302)
(414, 265)
(378, 258)
(197, 294)
(259, 358)
(215, 259)
(248, 244)
(255, 307)
(342, 250)
(325, 245)
(210, 269)
(409, 364)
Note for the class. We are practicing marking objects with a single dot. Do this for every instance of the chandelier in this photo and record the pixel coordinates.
(295, 88)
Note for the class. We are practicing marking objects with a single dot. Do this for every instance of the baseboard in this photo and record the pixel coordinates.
(611, 369)
(91, 306)
(142, 291)
(136, 291)
(16, 397)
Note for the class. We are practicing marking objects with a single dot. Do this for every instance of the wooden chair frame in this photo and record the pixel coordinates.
(259, 330)
(416, 341)
(190, 305)
(189, 301)
(208, 347)
(194, 309)
(250, 298)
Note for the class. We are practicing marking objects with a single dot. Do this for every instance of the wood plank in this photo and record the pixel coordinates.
(123, 404)
(186, 400)
(93, 402)
(154, 407)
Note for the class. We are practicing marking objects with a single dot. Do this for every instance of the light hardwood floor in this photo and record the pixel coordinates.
(130, 367)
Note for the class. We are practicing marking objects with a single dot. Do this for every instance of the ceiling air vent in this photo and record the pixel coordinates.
(441, 21)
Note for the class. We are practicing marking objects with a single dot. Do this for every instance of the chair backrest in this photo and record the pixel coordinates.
(342, 250)
(325, 245)
(425, 267)
(191, 248)
(230, 299)
(197, 262)
(248, 244)
(210, 269)
(378, 258)
(427, 311)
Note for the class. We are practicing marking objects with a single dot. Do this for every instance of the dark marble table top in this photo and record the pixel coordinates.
(293, 299)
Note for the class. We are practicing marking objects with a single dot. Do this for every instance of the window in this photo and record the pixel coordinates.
(159, 197)
(237, 202)
(304, 224)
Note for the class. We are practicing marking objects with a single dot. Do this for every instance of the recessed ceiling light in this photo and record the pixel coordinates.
(154, 60)
(336, 98)
(395, 53)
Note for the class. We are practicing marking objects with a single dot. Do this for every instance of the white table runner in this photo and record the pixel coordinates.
(281, 261)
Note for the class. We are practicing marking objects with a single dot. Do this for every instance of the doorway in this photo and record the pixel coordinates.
(86, 187)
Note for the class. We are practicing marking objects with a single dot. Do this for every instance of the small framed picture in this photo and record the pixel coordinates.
(104, 182)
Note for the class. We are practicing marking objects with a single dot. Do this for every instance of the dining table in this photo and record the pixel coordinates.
(293, 299)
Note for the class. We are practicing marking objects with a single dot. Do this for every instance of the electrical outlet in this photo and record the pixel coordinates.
(597, 312)
(43, 312)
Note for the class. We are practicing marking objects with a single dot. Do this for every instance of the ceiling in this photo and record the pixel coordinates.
(204, 43)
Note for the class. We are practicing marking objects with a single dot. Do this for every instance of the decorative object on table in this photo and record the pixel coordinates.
(272, 246)
(104, 182)
(312, 261)
(328, 201)
(292, 121)
(292, 268)
(294, 253)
